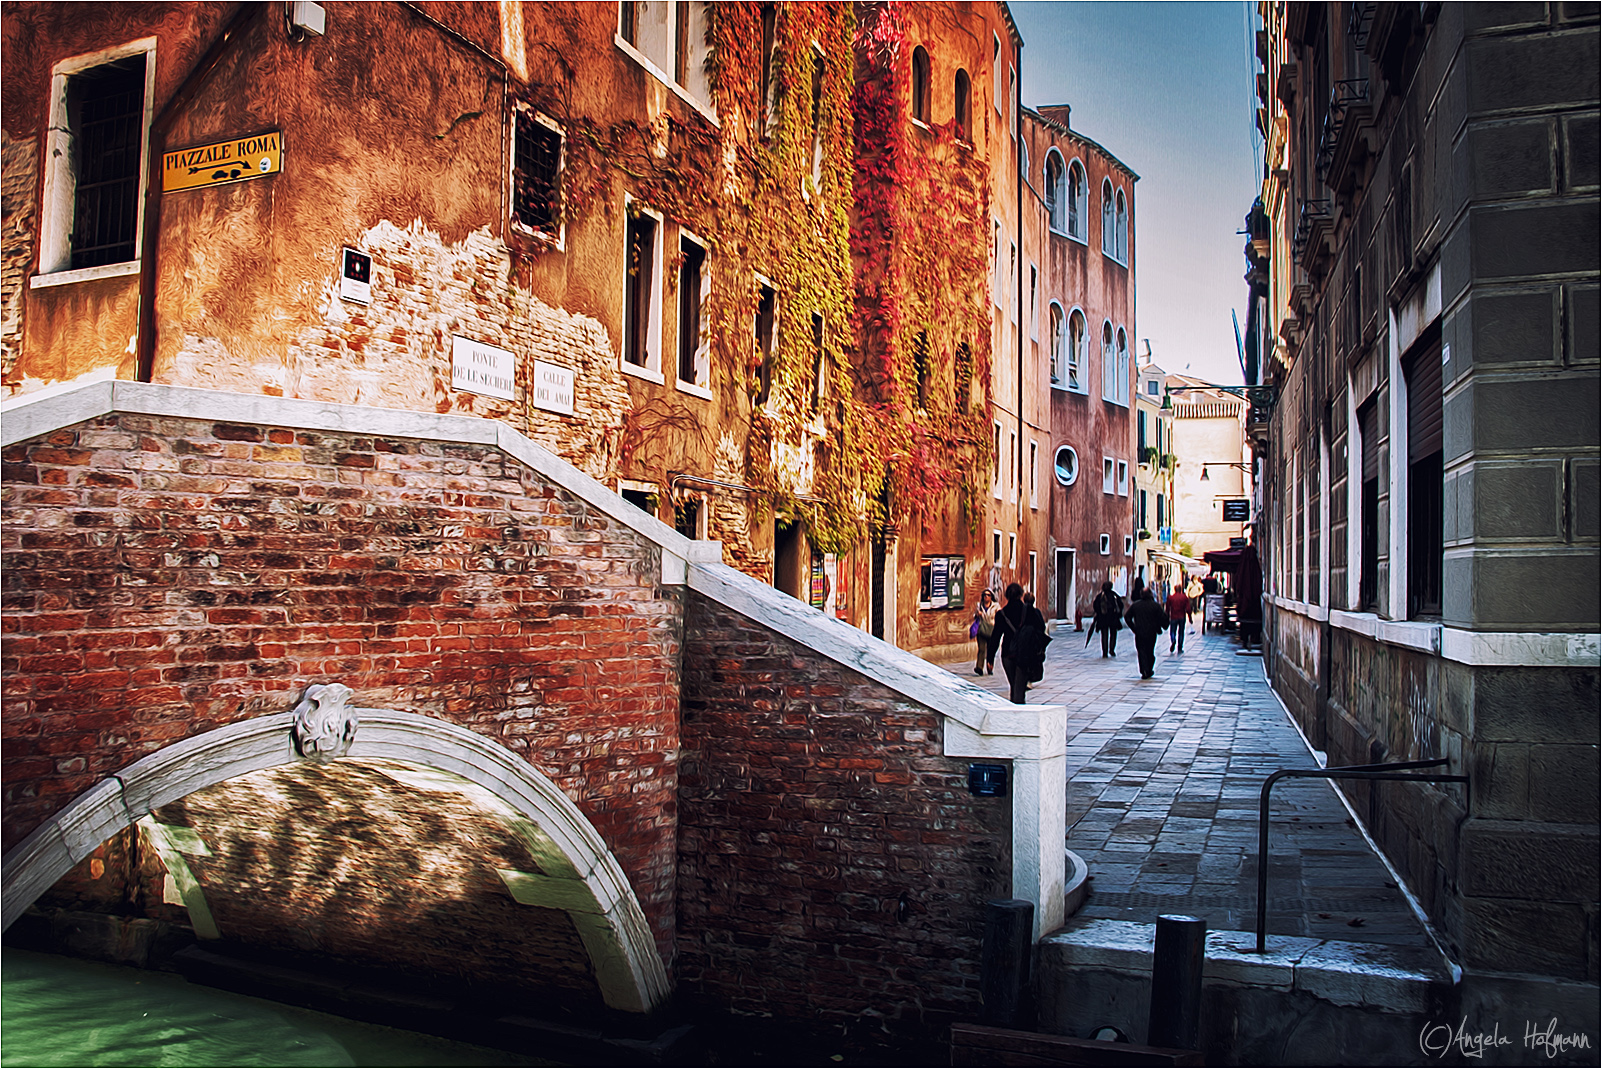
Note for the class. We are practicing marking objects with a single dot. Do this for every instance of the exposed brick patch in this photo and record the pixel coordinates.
(19, 186)
(814, 800)
(163, 579)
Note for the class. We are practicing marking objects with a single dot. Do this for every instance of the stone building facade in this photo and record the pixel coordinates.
(1081, 200)
(1431, 200)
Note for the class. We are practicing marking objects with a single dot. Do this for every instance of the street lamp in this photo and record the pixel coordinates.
(1257, 396)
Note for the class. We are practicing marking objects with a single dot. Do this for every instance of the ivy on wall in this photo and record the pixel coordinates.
(809, 181)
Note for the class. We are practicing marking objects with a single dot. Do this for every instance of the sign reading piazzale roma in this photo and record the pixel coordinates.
(236, 160)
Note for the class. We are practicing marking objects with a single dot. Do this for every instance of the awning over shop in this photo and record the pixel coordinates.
(1224, 560)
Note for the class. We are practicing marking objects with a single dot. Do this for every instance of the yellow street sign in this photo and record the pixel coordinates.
(237, 160)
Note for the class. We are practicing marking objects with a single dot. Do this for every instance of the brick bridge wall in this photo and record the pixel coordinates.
(165, 576)
(833, 867)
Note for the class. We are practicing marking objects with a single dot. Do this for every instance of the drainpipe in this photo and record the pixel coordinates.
(1017, 185)
(145, 347)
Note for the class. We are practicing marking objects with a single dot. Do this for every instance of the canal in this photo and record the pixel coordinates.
(62, 1011)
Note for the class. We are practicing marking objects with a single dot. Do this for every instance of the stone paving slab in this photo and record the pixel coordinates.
(1164, 777)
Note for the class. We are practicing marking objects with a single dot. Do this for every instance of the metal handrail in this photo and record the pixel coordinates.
(1369, 772)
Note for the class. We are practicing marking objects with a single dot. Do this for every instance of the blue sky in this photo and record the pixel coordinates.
(1167, 88)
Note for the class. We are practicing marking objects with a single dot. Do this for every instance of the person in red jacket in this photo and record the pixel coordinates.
(1178, 617)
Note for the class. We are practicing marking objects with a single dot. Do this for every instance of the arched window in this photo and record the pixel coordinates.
(920, 84)
(1109, 233)
(1121, 370)
(1056, 191)
(1122, 225)
(1109, 364)
(1059, 346)
(1078, 351)
(1078, 206)
(961, 105)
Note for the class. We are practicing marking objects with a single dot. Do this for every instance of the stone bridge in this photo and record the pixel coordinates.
(571, 754)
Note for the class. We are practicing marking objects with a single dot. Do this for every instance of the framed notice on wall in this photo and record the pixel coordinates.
(479, 367)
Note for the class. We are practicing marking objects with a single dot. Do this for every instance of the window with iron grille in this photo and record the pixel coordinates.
(536, 174)
(105, 111)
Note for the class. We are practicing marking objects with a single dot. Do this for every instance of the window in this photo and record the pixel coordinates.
(770, 74)
(1151, 387)
(1121, 230)
(1078, 203)
(1034, 303)
(995, 547)
(1034, 569)
(998, 86)
(817, 116)
(1424, 477)
(995, 446)
(670, 37)
(1056, 192)
(920, 85)
(962, 372)
(1109, 228)
(820, 364)
(1129, 545)
(1140, 511)
(995, 274)
(94, 156)
(1066, 465)
(1162, 518)
(1078, 351)
(641, 495)
(1109, 364)
(1108, 483)
(1140, 436)
(642, 298)
(1012, 549)
(1368, 503)
(1123, 478)
(1034, 475)
(1059, 346)
(694, 343)
(1012, 450)
(765, 337)
(687, 518)
(1104, 544)
(1012, 276)
(962, 108)
(920, 366)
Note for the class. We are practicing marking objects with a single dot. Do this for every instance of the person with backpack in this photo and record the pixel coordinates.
(1147, 620)
(1108, 611)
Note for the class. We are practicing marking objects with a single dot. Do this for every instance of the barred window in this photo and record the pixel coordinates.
(105, 111)
(536, 174)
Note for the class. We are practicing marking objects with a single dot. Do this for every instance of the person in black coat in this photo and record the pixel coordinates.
(1107, 608)
(1023, 642)
(1147, 620)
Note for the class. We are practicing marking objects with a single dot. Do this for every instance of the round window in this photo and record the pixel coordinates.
(1067, 465)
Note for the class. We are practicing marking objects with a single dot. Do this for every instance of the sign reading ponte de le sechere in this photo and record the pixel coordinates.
(238, 159)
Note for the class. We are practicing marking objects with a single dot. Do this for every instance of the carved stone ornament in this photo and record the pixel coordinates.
(324, 725)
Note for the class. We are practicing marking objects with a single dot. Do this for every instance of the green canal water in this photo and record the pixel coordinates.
(61, 1011)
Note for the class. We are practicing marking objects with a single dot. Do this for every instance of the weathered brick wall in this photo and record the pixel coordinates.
(19, 182)
(166, 576)
(833, 867)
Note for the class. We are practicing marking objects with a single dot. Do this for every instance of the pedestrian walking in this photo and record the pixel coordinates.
(1039, 672)
(1178, 618)
(1146, 619)
(1107, 609)
(984, 631)
(1023, 641)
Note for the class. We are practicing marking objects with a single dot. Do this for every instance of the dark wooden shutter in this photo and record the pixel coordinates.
(1424, 403)
(1368, 429)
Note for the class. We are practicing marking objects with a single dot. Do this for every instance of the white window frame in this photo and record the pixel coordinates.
(1034, 474)
(558, 239)
(1121, 227)
(1034, 301)
(1078, 355)
(763, 282)
(1012, 449)
(638, 53)
(1056, 471)
(998, 87)
(1129, 545)
(701, 385)
(1055, 193)
(995, 485)
(1012, 549)
(1034, 570)
(1013, 296)
(651, 370)
(995, 546)
(1123, 478)
(1082, 235)
(1057, 362)
(1121, 366)
(1109, 361)
(1104, 544)
(1109, 484)
(1109, 225)
(61, 181)
(995, 274)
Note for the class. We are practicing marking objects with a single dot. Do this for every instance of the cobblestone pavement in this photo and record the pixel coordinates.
(1164, 779)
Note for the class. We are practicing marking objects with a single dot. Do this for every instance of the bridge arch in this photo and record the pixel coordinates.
(580, 874)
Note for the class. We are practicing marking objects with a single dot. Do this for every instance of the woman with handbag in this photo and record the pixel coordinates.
(984, 631)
